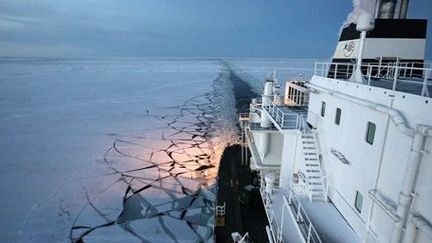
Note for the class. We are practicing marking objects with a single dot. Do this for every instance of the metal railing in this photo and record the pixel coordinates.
(244, 116)
(398, 73)
(324, 178)
(256, 126)
(257, 101)
(326, 186)
(307, 189)
(252, 144)
(292, 203)
(306, 227)
(220, 210)
(303, 125)
(256, 104)
(286, 120)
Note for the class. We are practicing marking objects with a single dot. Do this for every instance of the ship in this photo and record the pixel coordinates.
(346, 156)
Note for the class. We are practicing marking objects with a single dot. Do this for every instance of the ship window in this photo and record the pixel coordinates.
(370, 134)
(323, 106)
(358, 201)
(338, 116)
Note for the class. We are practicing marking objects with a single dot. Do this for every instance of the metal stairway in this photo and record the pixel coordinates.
(315, 179)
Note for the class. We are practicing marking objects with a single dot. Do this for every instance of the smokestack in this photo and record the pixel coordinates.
(386, 9)
(377, 8)
(403, 9)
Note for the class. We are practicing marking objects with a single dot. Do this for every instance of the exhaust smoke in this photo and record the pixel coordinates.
(359, 7)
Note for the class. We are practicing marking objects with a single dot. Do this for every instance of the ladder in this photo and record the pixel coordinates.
(315, 178)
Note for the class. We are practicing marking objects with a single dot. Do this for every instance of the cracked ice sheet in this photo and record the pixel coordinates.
(152, 200)
(178, 230)
(57, 119)
(112, 233)
(147, 198)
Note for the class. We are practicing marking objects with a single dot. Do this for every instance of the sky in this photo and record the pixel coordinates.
(178, 28)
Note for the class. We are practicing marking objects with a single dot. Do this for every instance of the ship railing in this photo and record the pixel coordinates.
(244, 116)
(256, 126)
(397, 73)
(308, 230)
(256, 105)
(251, 142)
(303, 186)
(257, 101)
(326, 183)
(294, 205)
(286, 120)
(276, 227)
(303, 125)
(220, 210)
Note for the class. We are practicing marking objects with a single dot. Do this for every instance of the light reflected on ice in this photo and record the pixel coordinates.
(60, 116)
(165, 190)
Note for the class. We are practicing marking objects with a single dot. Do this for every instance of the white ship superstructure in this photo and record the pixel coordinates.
(346, 158)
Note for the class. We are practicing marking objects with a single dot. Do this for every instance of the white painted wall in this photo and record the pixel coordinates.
(364, 158)
(391, 150)
(274, 153)
(275, 148)
(288, 156)
(383, 47)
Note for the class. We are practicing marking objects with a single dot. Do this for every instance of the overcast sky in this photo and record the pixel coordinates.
(181, 28)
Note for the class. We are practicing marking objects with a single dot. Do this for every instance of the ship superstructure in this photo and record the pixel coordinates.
(346, 157)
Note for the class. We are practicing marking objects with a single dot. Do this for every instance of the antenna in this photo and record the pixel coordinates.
(273, 75)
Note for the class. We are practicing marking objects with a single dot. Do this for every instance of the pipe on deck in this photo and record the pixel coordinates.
(396, 117)
(416, 224)
(405, 197)
(269, 234)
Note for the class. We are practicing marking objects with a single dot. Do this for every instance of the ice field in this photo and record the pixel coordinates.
(110, 150)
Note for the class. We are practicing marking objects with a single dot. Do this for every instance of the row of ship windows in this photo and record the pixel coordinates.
(371, 127)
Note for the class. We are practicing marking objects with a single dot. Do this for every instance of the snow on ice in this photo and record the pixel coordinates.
(118, 149)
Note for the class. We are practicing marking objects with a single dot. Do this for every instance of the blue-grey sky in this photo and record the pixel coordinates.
(186, 28)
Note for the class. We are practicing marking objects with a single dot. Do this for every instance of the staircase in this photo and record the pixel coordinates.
(316, 187)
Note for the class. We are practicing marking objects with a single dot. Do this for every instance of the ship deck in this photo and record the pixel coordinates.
(328, 222)
(286, 117)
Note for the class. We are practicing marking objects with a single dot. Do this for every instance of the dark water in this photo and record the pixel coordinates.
(233, 177)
